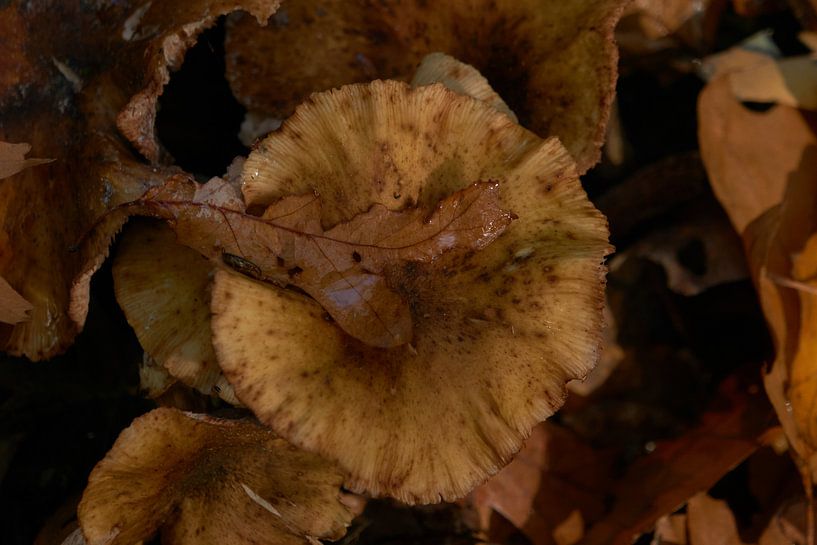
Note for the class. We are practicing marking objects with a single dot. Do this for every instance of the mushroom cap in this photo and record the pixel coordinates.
(554, 62)
(163, 289)
(203, 481)
(497, 332)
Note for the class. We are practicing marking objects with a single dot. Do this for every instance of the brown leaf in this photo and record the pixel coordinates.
(648, 26)
(554, 476)
(12, 159)
(749, 155)
(660, 482)
(762, 170)
(782, 250)
(671, 530)
(123, 52)
(340, 267)
(13, 307)
(711, 522)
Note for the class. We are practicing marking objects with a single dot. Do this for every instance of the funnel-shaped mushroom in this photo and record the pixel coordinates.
(207, 481)
(497, 332)
(553, 61)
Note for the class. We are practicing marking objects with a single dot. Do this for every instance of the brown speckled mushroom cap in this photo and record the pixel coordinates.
(208, 481)
(497, 332)
(164, 291)
(553, 61)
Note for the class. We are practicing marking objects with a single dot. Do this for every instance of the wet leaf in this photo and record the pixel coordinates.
(660, 482)
(340, 267)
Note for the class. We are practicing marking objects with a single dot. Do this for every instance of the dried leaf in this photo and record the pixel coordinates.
(13, 308)
(761, 167)
(12, 159)
(340, 267)
(711, 522)
(699, 252)
(749, 168)
(554, 64)
(648, 26)
(551, 479)
(660, 482)
(791, 81)
(782, 250)
(671, 530)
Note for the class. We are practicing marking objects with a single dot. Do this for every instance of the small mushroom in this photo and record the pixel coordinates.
(459, 77)
(553, 62)
(497, 332)
(163, 289)
(202, 480)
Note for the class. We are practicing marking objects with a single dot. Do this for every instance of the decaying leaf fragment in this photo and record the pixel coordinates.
(459, 77)
(207, 481)
(342, 267)
(554, 63)
(496, 332)
(13, 159)
(711, 522)
(67, 70)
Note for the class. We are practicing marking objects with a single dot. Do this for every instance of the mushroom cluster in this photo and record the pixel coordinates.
(437, 218)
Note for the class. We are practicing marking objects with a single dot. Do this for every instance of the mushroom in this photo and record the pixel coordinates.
(461, 78)
(162, 288)
(553, 62)
(203, 480)
(497, 332)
